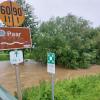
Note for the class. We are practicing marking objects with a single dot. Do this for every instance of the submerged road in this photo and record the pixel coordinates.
(32, 73)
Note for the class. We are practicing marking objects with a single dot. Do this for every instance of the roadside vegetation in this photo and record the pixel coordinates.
(76, 44)
(4, 56)
(84, 88)
(74, 41)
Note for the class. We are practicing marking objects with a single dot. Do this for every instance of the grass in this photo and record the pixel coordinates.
(85, 88)
(5, 56)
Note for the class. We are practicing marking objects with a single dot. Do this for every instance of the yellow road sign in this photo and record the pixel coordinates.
(11, 13)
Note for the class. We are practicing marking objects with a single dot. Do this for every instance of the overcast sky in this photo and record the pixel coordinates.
(88, 9)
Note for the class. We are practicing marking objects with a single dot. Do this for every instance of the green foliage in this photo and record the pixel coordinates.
(4, 56)
(30, 18)
(75, 43)
(85, 88)
(72, 39)
(98, 46)
(41, 92)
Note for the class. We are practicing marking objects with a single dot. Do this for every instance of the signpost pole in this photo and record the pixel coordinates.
(18, 83)
(12, 15)
(52, 86)
(51, 69)
(16, 57)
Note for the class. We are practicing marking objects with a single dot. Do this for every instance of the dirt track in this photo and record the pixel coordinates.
(32, 73)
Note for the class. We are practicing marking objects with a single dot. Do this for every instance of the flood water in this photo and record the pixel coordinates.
(32, 73)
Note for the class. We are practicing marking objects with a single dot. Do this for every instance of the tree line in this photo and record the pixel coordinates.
(74, 41)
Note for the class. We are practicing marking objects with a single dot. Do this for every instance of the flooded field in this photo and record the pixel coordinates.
(32, 73)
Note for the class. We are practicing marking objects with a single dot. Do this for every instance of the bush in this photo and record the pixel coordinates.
(4, 56)
(72, 39)
(85, 88)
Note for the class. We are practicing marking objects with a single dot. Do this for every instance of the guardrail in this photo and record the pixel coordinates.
(5, 95)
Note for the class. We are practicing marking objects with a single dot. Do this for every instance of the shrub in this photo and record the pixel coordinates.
(72, 39)
(85, 88)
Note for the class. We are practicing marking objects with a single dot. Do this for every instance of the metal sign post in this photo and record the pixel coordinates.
(16, 57)
(52, 86)
(12, 15)
(18, 82)
(51, 69)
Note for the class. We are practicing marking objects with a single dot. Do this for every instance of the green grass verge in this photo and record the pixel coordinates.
(85, 88)
(4, 57)
(27, 56)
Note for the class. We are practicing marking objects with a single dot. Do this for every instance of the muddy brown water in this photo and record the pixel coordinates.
(31, 73)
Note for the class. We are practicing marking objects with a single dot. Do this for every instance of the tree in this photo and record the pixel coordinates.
(30, 18)
(30, 21)
(71, 38)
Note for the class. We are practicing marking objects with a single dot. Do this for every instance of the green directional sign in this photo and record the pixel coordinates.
(51, 68)
(51, 58)
(51, 63)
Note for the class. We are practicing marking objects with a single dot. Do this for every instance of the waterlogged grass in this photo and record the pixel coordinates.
(85, 88)
(4, 57)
